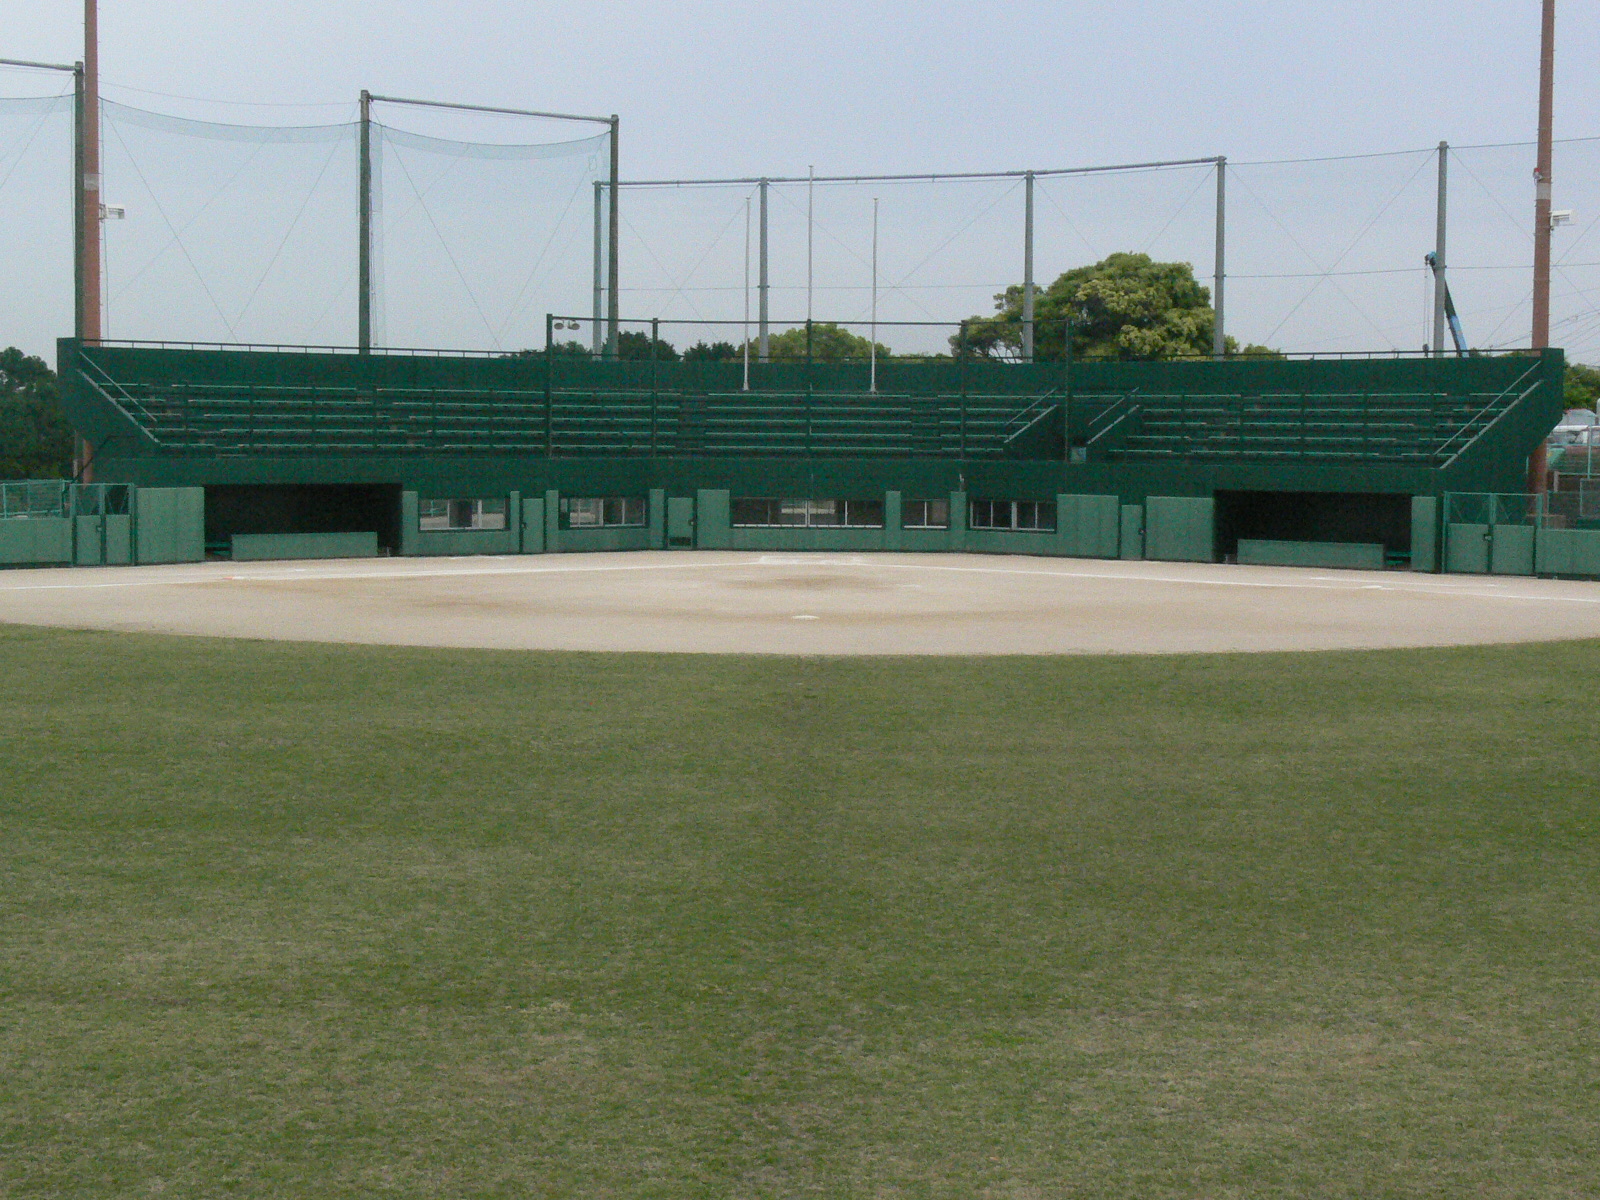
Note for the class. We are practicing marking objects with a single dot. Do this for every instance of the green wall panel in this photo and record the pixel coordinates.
(552, 521)
(713, 530)
(35, 541)
(533, 525)
(579, 541)
(1180, 529)
(1367, 556)
(451, 543)
(1132, 540)
(118, 539)
(1511, 550)
(1089, 526)
(1424, 533)
(253, 547)
(408, 523)
(1466, 549)
(88, 541)
(656, 514)
(1568, 552)
(169, 524)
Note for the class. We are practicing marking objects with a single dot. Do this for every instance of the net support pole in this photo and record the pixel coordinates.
(90, 200)
(1440, 230)
(615, 237)
(1219, 336)
(80, 195)
(763, 283)
(599, 269)
(811, 195)
(1537, 461)
(1027, 268)
(872, 342)
(364, 232)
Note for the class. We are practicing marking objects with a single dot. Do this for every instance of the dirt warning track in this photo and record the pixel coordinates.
(763, 603)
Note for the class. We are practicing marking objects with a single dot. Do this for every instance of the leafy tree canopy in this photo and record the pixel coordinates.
(829, 343)
(1124, 306)
(1582, 385)
(714, 352)
(637, 347)
(35, 439)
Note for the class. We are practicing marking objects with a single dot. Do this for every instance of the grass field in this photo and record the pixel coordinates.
(313, 921)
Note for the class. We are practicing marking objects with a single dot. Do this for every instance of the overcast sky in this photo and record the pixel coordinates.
(717, 88)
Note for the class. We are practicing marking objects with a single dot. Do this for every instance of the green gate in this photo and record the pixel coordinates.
(1491, 533)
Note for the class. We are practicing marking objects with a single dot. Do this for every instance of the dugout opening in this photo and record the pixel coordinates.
(303, 509)
(1380, 518)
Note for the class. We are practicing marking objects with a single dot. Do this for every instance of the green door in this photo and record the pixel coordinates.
(1511, 550)
(680, 522)
(1466, 548)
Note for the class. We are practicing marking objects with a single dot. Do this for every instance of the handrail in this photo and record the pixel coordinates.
(148, 429)
(106, 375)
(1445, 445)
(1507, 410)
(1133, 410)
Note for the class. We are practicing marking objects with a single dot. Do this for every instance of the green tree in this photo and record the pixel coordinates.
(637, 347)
(829, 343)
(1124, 306)
(558, 350)
(1582, 385)
(35, 439)
(714, 352)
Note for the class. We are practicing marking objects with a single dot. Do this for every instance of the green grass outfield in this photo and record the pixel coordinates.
(307, 921)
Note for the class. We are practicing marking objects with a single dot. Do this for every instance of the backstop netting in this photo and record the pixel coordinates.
(475, 242)
(36, 165)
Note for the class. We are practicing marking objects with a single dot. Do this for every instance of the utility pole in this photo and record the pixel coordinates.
(1219, 337)
(1027, 268)
(1537, 461)
(364, 231)
(1438, 251)
(90, 212)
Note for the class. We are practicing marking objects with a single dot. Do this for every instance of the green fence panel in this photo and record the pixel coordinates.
(256, 547)
(533, 525)
(893, 517)
(169, 525)
(409, 528)
(658, 518)
(1466, 548)
(1574, 552)
(552, 520)
(88, 541)
(1424, 533)
(591, 541)
(118, 539)
(1361, 556)
(1132, 541)
(1180, 529)
(713, 530)
(1511, 550)
(1089, 526)
(35, 541)
(957, 537)
(680, 522)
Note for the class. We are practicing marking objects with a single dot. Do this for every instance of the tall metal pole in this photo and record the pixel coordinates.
(90, 212)
(1538, 472)
(744, 344)
(1438, 251)
(1027, 268)
(364, 262)
(599, 260)
(761, 277)
(1219, 337)
(872, 385)
(811, 188)
(612, 198)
